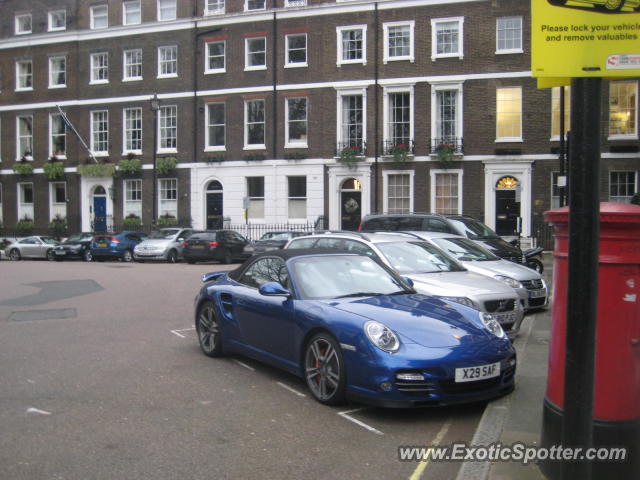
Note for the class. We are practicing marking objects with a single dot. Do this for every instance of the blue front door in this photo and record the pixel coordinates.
(99, 214)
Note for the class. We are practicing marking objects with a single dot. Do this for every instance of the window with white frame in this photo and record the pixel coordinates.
(351, 117)
(57, 72)
(255, 192)
(57, 136)
(99, 68)
(215, 57)
(352, 44)
(168, 61)
(132, 198)
(446, 191)
(398, 190)
(99, 17)
(57, 200)
(57, 20)
(622, 186)
(398, 41)
(509, 35)
(447, 37)
(398, 119)
(25, 197)
(131, 13)
(446, 115)
(132, 64)
(167, 10)
(297, 190)
(254, 5)
(555, 111)
(24, 75)
(100, 132)
(296, 126)
(23, 24)
(509, 114)
(623, 109)
(214, 7)
(25, 137)
(295, 3)
(254, 124)
(216, 130)
(296, 54)
(255, 53)
(168, 128)
(132, 130)
(168, 197)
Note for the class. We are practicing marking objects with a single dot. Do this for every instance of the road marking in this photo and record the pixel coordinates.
(358, 422)
(417, 473)
(248, 367)
(177, 332)
(292, 390)
(36, 410)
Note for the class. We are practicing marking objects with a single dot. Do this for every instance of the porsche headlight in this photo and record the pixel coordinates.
(492, 324)
(462, 300)
(382, 336)
(512, 282)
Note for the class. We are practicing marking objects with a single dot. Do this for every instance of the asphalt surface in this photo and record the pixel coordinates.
(101, 377)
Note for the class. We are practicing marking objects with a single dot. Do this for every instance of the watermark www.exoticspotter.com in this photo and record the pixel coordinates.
(515, 452)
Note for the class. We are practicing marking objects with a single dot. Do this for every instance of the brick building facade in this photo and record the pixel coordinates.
(298, 106)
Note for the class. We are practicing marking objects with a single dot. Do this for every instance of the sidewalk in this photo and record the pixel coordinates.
(518, 416)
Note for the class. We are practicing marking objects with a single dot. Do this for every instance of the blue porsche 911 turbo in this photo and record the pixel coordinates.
(353, 329)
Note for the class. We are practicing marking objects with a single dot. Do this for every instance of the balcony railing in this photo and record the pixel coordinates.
(355, 148)
(454, 144)
(393, 147)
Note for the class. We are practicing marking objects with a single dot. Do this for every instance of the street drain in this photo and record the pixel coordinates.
(31, 315)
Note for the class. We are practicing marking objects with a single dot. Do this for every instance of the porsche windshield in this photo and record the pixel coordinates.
(464, 250)
(342, 276)
(417, 257)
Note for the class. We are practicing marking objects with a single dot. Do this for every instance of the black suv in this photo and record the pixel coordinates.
(224, 246)
(433, 222)
(77, 245)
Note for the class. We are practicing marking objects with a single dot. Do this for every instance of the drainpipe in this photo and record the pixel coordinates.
(376, 96)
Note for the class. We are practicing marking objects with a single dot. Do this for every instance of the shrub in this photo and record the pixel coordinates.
(130, 165)
(24, 226)
(167, 221)
(23, 168)
(165, 165)
(58, 225)
(97, 170)
(132, 222)
(54, 170)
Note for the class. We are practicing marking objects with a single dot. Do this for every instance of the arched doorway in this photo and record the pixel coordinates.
(350, 204)
(215, 218)
(507, 206)
(99, 209)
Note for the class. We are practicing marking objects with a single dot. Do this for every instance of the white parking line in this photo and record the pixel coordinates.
(358, 422)
(37, 410)
(248, 367)
(177, 332)
(292, 390)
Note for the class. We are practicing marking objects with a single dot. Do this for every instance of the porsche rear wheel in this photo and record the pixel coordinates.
(14, 255)
(208, 328)
(324, 369)
(50, 255)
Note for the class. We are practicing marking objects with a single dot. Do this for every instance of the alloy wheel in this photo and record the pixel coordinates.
(14, 255)
(324, 370)
(208, 329)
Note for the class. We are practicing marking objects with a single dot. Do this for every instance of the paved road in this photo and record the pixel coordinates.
(101, 377)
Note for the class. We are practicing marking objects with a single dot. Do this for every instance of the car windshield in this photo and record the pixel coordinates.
(164, 233)
(343, 276)
(80, 237)
(417, 257)
(473, 229)
(465, 250)
(49, 240)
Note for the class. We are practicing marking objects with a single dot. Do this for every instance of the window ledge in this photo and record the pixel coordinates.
(296, 65)
(135, 152)
(51, 87)
(451, 55)
(167, 150)
(172, 75)
(510, 140)
(351, 62)
(135, 79)
(255, 147)
(622, 137)
(27, 89)
(211, 72)
(509, 52)
(399, 59)
(98, 82)
(255, 68)
(215, 149)
(296, 145)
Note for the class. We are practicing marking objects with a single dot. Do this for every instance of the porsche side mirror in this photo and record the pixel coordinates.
(273, 289)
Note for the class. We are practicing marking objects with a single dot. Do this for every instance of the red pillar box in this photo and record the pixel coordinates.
(617, 364)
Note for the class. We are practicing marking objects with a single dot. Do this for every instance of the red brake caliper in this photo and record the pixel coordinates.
(318, 365)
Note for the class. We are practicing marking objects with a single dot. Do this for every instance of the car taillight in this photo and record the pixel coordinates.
(185, 244)
(360, 226)
(213, 244)
(114, 240)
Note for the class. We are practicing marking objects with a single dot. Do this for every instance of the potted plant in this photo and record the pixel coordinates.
(165, 165)
(97, 170)
(58, 225)
(130, 166)
(399, 152)
(132, 222)
(54, 169)
(23, 167)
(349, 155)
(24, 226)
(167, 220)
(445, 152)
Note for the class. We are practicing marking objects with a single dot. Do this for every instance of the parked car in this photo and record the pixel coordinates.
(609, 6)
(352, 328)
(528, 283)
(224, 246)
(432, 271)
(77, 245)
(432, 222)
(36, 246)
(115, 246)
(274, 241)
(164, 244)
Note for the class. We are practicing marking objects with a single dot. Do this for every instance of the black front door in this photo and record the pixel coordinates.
(507, 212)
(214, 211)
(351, 210)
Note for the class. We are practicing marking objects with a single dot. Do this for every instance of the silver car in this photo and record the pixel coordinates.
(432, 271)
(528, 283)
(164, 244)
(37, 246)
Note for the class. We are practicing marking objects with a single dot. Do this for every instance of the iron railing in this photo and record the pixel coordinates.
(397, 146)
(356, 148)
(454, 144)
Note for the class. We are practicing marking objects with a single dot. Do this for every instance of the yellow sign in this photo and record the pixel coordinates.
(585, 38)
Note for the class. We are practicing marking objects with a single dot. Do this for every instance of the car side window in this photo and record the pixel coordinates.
(358, 247)
(265, 270)
(331, 243)
(303, 243)
(437, 225)
(131, 237)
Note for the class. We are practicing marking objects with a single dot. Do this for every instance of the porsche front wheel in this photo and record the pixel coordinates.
(324, 369)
